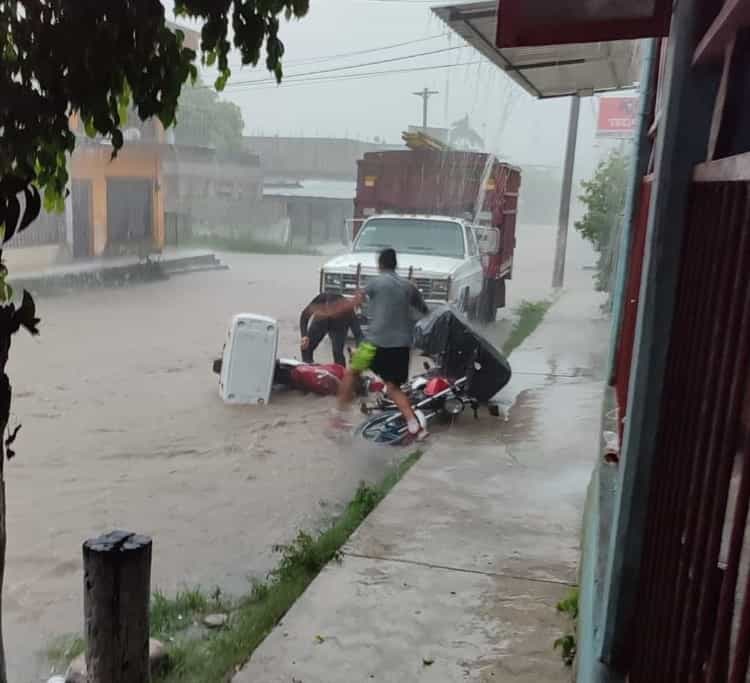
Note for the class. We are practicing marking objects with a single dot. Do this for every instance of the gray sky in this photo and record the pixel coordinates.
(514, 124)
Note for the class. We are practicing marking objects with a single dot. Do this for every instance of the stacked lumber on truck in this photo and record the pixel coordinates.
(417, 140)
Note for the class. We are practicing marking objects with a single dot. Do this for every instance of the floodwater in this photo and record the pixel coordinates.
(123, 428)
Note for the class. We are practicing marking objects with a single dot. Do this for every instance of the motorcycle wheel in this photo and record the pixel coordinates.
(376, 430)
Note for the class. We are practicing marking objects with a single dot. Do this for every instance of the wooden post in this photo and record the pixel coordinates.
(116, 592)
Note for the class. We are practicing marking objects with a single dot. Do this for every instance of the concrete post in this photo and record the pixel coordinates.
(681, 143)
(558, 275)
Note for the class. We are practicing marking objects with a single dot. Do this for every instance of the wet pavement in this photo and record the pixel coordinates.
(123, 428)
(456, 575)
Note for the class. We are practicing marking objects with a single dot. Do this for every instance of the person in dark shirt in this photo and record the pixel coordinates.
(313, 331)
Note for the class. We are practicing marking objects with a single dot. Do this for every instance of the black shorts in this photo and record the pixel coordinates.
(392, 364)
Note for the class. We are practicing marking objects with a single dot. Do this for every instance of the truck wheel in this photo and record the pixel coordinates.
(464, 302)
(487, 307)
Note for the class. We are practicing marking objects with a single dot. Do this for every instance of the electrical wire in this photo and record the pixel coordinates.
(353, 53)
(377, 62)
(352, 77)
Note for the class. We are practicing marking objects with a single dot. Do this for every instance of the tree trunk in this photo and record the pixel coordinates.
(117, 579)
(5, 399)
(3, 673)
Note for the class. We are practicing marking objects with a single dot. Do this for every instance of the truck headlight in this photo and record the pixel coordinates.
(440, 288)
(332, 281)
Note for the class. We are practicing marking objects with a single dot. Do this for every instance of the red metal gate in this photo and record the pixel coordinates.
(693, 615)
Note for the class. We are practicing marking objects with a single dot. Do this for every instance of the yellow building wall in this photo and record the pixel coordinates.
(140, 161)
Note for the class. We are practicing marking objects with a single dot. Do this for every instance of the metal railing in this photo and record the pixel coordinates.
(693, 613)
(47, 229)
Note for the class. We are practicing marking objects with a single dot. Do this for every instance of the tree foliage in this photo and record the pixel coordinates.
(604, 198)
(203, 119)
(464, 136)
(97, 59)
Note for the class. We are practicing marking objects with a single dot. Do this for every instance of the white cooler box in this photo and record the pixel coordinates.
(249, 359)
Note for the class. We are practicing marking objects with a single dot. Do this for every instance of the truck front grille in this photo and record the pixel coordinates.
(423, 284)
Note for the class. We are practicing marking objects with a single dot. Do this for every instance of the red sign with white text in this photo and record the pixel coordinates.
(617, 116)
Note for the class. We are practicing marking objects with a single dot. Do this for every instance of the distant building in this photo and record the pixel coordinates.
(318, 211)
(298, 158)
(117, 204)
(205, 193)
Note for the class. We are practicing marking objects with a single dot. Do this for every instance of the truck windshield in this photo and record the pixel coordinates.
(412, 236)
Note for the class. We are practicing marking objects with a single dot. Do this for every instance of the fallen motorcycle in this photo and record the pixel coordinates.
(316, 378)
(468, 372)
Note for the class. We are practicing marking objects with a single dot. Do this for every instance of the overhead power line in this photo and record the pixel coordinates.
(333, 69)
(363, 75)
(353, 53)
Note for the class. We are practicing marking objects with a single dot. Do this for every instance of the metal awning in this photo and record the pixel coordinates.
(550, 70)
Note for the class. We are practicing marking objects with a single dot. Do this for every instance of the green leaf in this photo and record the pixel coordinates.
(6, 291)
(89, 127)
(221, 81)
(50, 200)
(123, 104)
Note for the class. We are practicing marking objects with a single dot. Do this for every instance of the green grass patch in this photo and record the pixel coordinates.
(170, 615)
(247, 244)
(214, 655)
(213, 659)
(62, 650)
(529, 315)
(567, 642)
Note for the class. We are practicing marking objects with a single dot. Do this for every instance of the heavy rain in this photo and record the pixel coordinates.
(262, 196)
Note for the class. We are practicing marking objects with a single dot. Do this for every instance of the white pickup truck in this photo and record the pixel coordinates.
(438, 253)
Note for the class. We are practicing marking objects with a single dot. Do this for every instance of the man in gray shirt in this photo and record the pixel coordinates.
(387, 346)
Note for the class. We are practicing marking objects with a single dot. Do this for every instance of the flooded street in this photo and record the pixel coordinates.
(123, 428)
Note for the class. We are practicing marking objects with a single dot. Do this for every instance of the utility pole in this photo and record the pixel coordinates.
(558, 275)
(425, 95)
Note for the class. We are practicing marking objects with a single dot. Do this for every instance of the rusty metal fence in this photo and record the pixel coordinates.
(693, 613)
(48, 229)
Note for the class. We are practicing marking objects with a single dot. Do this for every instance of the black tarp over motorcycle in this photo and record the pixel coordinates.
(468, 371)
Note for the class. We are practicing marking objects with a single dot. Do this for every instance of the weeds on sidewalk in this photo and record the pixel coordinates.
(530, 314)
(214, 655)
(170, 615)
(567, 642)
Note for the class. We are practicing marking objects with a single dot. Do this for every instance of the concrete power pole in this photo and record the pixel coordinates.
(558, 275)
(425, 95)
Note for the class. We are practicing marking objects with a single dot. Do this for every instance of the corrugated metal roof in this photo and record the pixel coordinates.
(322, 189)
(550, 70)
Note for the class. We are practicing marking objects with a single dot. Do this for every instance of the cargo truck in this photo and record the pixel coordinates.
(450, 215)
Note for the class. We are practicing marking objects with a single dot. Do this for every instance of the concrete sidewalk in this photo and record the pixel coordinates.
(456, 575)
(101, 271)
